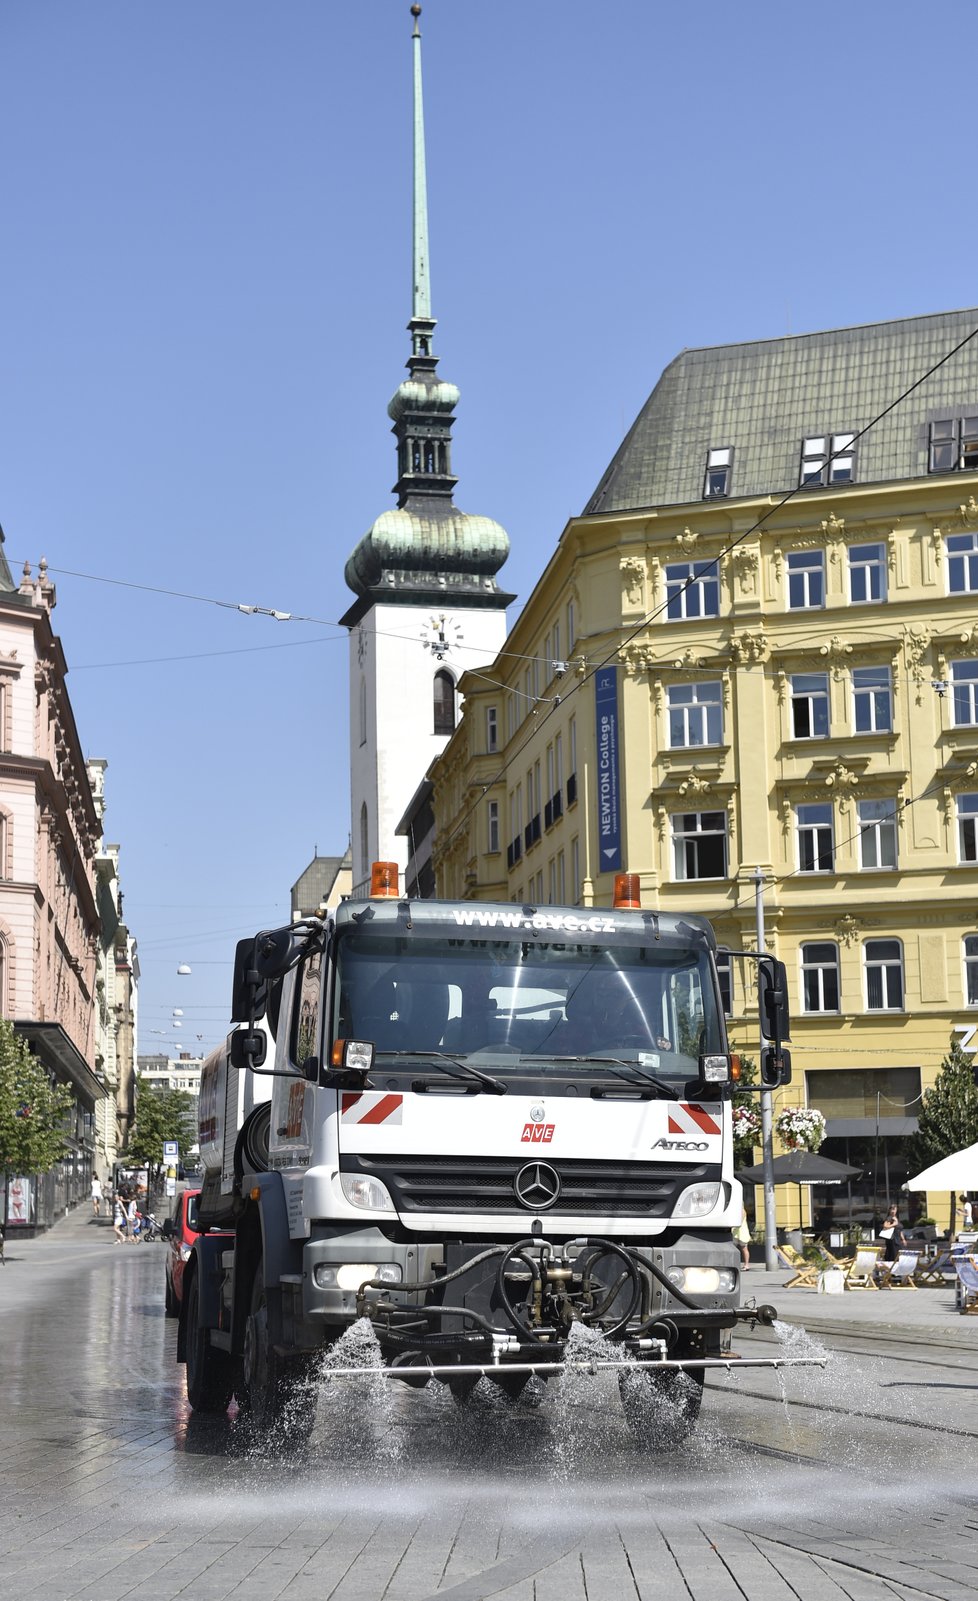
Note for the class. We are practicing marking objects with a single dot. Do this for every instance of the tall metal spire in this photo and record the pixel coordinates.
(426, 548)
(421, 297)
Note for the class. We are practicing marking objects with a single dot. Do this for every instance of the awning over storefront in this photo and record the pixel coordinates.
(52, 1046)
(862, 1128)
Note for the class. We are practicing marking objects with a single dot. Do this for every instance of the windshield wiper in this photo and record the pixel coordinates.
(454, 1068)
(634, 1075)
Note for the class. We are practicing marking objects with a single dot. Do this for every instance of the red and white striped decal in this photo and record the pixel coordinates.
(358, 1107)
(688, 1118)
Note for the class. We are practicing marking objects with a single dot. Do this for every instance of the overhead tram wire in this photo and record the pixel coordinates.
(713, 562)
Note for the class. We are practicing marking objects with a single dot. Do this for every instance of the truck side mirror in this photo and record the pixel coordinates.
(247, 1047)
(775, 1067)
(772, 979)
(249, 989)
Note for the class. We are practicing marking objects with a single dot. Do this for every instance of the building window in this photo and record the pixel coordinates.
(695, 715)
(828, 459)
(492, 729)
(954, 445)
(884, 975)
(962, 564)
(964, 683)
(968, 828)
(561, 880)
(692, 590)
(493, 821)
(552, 881)
(815, 845)
(571, 629)
(572, 762)
(719, 466)
(725, 976)
(699, 843)
(575, 871)
(806, 580)
(444, 702)
(867, 573)
(877, 833)
(971, 969)
(820, 976)
(872, 700)
(809, 705)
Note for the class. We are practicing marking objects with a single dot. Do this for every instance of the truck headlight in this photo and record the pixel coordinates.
(368, 1194)
(697, 1200)
(703, 1280)
(350, 1275)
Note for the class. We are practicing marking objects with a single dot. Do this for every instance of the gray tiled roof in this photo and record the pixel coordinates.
(312, 887)
(764, 398)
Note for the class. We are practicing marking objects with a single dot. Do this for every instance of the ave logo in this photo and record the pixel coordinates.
(537, 1133)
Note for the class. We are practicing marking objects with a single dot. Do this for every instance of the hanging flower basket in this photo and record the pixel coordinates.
(800, 1128)
(746, 1127)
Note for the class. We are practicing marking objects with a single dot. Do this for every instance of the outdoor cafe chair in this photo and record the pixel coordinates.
(805, 1272)
(899, 1275)
(966, 1267)
(932, 1273)
(861, 1272)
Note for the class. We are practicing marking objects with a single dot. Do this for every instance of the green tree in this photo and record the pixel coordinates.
(949, 1112)
(160, 1115)
(33, 1111)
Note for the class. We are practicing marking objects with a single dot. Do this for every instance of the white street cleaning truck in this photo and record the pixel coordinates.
(477, 1126)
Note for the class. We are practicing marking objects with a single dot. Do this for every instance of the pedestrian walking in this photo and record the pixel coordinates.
(96, 1195)
(118, 1221)
(892, 1235)
(742, 1236)
(967, 1213)
(132, 1221)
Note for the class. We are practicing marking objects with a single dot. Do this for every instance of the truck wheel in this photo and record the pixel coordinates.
(661, 1409)
(210, 1373)
(274, 1391)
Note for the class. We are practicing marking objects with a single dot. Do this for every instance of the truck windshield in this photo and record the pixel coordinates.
(522, 1004)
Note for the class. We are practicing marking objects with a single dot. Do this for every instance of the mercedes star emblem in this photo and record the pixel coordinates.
(537, 1186)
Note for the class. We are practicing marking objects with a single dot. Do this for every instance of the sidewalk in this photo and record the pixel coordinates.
(928, 1315)
(36, 1268)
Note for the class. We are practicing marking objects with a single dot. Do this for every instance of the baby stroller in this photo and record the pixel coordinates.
(146, 1227)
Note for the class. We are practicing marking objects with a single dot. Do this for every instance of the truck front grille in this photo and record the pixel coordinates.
(477, 1185)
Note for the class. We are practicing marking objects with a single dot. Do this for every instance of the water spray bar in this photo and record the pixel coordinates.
(488, 1370)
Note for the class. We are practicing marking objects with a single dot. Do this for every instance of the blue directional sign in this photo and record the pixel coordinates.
(609, 815)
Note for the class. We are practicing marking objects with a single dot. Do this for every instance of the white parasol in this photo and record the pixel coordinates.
(959, 1171)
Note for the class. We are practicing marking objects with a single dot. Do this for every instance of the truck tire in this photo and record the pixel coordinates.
(210, 1373)
(274, 1389)
(661, 1409)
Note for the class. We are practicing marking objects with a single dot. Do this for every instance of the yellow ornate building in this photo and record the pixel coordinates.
(757, 651)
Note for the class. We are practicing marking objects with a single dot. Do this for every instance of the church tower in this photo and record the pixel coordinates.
(428, 607)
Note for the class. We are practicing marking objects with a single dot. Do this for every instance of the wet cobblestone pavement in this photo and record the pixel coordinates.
(856, 1486)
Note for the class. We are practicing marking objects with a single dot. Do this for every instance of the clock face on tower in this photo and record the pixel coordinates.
(440, 634)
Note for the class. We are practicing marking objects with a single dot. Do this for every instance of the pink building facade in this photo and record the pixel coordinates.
(49, 925)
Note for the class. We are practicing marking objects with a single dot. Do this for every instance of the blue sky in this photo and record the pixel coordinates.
(205, 282)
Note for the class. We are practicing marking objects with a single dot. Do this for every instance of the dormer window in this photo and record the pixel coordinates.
(828, 459)
(719, 467)
(954, 445)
